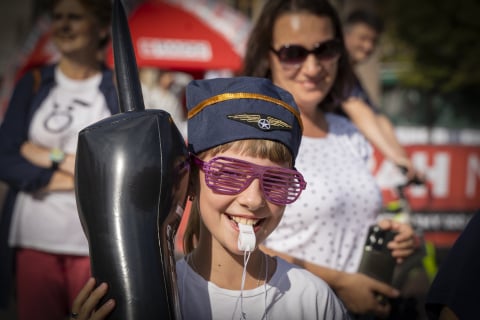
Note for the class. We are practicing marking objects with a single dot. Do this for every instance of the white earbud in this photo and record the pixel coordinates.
(246, 238)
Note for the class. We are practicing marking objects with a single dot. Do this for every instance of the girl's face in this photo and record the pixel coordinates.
(311, 80)
(75, 30)
(221, 213)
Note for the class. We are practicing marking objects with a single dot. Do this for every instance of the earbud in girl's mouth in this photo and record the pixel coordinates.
(246, 237)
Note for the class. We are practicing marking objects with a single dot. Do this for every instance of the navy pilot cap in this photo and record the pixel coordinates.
(223, 110)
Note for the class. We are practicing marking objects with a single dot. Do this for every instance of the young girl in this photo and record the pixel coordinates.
(244, 135)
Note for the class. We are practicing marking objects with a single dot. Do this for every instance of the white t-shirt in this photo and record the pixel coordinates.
(292, 293)
(328, 224)
(50, 222)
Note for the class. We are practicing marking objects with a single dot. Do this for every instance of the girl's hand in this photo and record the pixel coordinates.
(84, 305)
(404, 243)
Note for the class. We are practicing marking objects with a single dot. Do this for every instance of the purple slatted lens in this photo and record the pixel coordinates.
(231, 176)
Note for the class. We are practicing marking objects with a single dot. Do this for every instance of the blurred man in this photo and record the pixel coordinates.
(362, 31)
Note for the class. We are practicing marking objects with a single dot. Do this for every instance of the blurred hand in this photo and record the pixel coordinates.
(60, 181)
(404, 243)
(68, 164)
(36, 154)
(359, 294)
(406, 166)
(40, 156)
(86, 301)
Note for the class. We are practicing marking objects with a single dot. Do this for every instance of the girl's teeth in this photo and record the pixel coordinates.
(246, 221)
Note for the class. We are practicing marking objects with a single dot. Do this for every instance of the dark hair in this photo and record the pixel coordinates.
(101, 10)
(368, 17)
(256, 62)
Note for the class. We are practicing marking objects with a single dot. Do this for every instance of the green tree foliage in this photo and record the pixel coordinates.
(437, 41)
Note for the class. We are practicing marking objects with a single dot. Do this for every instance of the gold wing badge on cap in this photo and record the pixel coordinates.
(261, 121)
(279, 124)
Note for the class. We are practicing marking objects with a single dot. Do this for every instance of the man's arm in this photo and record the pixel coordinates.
(379, 131)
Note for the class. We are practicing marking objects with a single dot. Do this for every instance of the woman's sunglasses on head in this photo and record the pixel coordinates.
(230, 176)
(297, 54)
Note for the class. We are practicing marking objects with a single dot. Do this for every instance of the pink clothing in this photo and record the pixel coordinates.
(56, 278)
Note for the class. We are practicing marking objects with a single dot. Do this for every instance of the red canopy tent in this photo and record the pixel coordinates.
(184, 35)
(193, 36)
(190, 36)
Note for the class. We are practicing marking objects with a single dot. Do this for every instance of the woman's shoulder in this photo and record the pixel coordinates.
(299, 276)
(338, 123)
(342, 129)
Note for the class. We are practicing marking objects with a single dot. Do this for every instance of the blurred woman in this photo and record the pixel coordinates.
(299, 45)
(38, 140)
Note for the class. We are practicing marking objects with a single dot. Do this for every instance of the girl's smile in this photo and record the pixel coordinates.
(254, 222)
(222, 213)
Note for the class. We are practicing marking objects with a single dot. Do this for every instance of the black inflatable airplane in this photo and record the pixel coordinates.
(131, 181)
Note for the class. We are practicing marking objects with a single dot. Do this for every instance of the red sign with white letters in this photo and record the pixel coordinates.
(451, 195)
(453, 177)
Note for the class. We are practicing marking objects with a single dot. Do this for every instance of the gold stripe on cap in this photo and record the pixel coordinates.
(242, 95)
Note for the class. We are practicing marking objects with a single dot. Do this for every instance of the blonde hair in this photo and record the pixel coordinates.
(265, 149)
